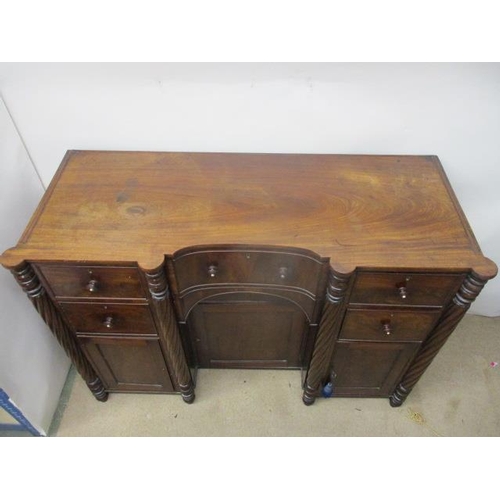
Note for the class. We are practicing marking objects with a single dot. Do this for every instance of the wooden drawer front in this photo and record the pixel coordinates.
(93, 282)
(109, 318)
(404, 289)
(387, 325)
(128, 364)
(259, 267)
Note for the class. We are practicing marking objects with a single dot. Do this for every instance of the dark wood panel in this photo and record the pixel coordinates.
(221, 292)
(384, 215)
(405, 288)
(362, 211)
(128, 364)
(109, 318)
(247, 335)
(388, 324)
(370, 368)
(94, 282)
(278, 268)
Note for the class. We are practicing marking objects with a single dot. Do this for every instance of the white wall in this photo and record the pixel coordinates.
(452, 110)
(33, 367)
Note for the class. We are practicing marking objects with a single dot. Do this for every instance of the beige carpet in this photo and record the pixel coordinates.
(459, 395)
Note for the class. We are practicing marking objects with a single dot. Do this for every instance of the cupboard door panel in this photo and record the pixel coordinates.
(370, 368)
(247, 335)
(128, 365)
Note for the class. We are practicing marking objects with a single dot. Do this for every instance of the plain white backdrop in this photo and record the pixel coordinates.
(33, 366)
(450, 110)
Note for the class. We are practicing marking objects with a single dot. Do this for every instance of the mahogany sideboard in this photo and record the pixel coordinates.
(354, 269)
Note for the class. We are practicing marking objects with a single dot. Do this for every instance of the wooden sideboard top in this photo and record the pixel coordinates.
(359, 210)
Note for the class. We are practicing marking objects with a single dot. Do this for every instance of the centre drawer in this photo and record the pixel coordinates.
(387, 325)
(404, 288)
(109, 318)
(247, 267)
(96, 282)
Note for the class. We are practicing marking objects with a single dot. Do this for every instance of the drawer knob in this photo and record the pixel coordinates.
(109, 322)
(92, 286)
(386, 325)
(403, 293)
(212, 270)
(283, 273)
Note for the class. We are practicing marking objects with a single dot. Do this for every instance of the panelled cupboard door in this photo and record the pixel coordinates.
(128, 364)
(247, 334)
(370, 368)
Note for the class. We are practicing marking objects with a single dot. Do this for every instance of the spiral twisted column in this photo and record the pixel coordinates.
(328, 328)
(163, 311)
(29, 282)
(469, 290)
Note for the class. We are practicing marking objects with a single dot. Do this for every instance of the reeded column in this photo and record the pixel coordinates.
(468, 292)
(325, 341)
(169, 331)
(29, 282)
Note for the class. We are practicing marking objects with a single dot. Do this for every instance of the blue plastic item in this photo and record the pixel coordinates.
(327, 390)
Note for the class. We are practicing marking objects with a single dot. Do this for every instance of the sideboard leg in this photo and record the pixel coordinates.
(309, 395)
(29, 282)
(169, 332)
(325, 341)
(188, 394)
(398, 397)
(469, 290)
(98, 390)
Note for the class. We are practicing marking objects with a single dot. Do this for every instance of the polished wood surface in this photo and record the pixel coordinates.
(93, 282)
(146, 266)
(127, 364)
(388, 325)
(280, 268)
(405, 289)
(385, 212)
(370, 369)
(109, 318)
(248, 334)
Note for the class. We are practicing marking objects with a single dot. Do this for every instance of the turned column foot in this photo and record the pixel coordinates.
(188, 399)
(309, 396)
(187, 393)
(399, 396)
(98, 390)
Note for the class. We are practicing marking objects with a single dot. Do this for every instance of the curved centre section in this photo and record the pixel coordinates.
(249, 306)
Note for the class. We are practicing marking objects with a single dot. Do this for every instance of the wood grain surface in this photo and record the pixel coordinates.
(384, 212)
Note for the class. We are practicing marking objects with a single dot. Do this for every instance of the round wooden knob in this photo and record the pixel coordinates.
(386, 325)
(92, 286)
(283, 272)
(108, 322)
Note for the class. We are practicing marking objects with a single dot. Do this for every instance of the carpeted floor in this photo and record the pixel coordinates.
(459, 395)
